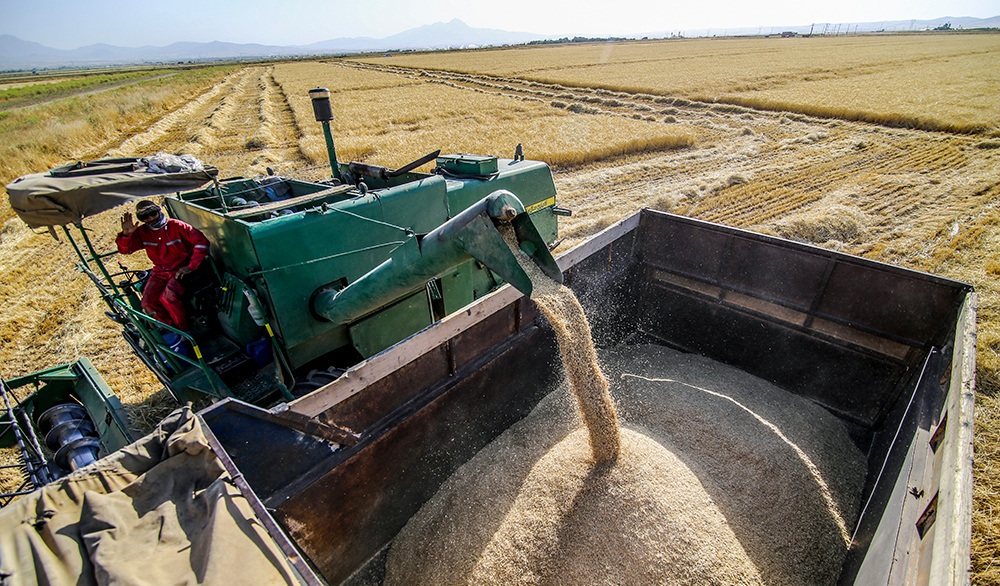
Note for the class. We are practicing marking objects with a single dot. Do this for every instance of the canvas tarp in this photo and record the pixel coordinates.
(45, 199)
(161, 511)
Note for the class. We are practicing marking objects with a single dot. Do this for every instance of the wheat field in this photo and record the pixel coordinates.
(936, 82)
(881, 146)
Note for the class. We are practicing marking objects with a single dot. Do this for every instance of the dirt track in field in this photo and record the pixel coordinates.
(241, 126)
(38, 101)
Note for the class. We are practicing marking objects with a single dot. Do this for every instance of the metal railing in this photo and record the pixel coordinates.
(166, 359)
(32, 464)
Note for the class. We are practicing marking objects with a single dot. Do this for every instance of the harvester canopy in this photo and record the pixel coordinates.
(67, 194)
(163, 510)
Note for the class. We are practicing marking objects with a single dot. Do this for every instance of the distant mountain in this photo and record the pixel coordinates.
(14, 51)
(441, 35)
(18, 54)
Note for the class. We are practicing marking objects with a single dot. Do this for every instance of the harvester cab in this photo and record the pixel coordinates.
(308, 278)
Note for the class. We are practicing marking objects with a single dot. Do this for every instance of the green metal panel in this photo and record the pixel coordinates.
(547, 224)
(484, 281)
(530, 181)
(232, 247)
(302, 252)
(234, 313)
(103, 406)
(457, 288)
(392, 324)
(468, 164)
(76, 382)
(420, 206)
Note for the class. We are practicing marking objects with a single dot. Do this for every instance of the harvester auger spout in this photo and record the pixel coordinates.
(472, 234)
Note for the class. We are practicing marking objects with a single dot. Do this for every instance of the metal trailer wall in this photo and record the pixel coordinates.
(873, 343)
(888, 350)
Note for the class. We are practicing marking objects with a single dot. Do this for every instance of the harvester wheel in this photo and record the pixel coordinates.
(316, 379)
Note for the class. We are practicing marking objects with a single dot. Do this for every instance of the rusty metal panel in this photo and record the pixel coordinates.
(684, 247)
(359, 412)
(770, 271)
(909, 306)
(602, 266)
(739, 261)
(343, 518)
(623, 230)
(854, 384)
(898, 304)
(467, 346)
(898, 462)
(527, 314)
(271, 455)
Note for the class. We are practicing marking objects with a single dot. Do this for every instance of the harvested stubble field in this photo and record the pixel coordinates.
(882, 146)
(943, 82)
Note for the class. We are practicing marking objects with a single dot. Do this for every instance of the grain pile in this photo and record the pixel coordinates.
(782, 470)
(704, 488)
(629, 523)
(530, 509)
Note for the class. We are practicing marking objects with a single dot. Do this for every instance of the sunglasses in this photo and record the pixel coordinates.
(147, 214)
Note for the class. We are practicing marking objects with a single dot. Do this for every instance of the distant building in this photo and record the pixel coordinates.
(789, 34)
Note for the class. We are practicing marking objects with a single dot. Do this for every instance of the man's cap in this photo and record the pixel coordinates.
(146, 207)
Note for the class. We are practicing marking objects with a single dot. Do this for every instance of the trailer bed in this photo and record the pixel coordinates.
(888, 351)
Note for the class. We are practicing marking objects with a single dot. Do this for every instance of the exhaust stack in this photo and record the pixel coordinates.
(324, 114)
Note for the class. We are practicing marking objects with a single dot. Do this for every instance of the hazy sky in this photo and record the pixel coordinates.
(68, 25)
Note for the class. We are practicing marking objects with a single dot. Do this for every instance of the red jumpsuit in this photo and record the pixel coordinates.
(171, 247)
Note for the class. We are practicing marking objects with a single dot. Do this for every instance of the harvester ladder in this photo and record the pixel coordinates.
(95, 257)
(161, 357)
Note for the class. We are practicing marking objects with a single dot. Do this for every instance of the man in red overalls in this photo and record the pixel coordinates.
(176, 249)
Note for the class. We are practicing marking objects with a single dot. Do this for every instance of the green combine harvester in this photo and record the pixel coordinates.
(309, 278)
